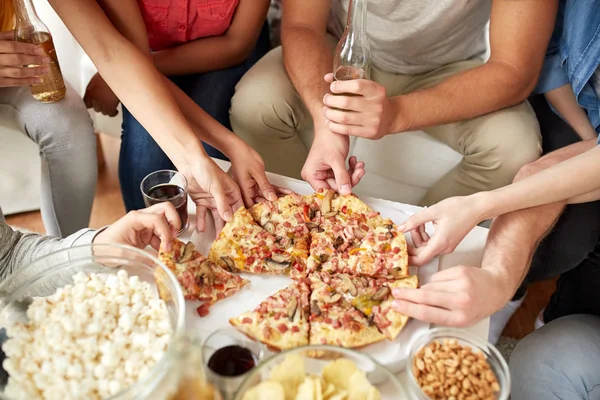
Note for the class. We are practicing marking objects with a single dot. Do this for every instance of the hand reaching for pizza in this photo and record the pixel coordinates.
(248, 170)
(149, 226)
(325, 166)
(453, 219)
(212, 189)
(459, 296)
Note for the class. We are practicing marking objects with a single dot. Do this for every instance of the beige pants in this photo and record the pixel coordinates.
(268, 113)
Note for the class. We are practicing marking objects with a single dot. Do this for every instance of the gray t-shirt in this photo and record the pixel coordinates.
(416, 36)
(18, 249)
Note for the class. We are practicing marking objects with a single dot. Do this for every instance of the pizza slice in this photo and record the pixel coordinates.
(244, 246)
(382, 253)
(215, 284)
(290, 219)
(333, 319)
(182, 260)
(281, 321)
(200, 279)
(373, 299)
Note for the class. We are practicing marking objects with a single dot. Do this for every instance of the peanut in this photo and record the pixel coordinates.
(448, 370)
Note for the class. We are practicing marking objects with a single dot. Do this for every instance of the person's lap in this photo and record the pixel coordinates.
(65, 136)
(268, 113)
(212, 91)
(561, 360)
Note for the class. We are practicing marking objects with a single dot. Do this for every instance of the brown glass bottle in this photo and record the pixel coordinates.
(30, 29)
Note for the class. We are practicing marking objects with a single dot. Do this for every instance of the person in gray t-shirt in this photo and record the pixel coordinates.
(147, 227)
(428, 73)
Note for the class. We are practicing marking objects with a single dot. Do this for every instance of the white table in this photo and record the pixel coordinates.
(468, 252)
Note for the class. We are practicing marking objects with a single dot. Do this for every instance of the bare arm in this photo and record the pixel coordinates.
(519, 34)
(564, 101)
(109, 48)
(217, 52)
(555, 183)
(303, 32)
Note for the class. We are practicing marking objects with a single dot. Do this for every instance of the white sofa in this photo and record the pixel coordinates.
(400, 167)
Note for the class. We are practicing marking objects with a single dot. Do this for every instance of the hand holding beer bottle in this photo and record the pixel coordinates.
(14, 58)
(50, 86)
(356, 105)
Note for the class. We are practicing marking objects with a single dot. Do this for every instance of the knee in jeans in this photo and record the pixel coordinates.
(64, 128)
(258, 109)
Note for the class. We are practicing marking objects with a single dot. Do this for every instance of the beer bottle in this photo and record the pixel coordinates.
(30, 29)
(352, 59)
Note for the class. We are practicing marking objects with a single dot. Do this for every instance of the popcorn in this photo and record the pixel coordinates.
(89, 340)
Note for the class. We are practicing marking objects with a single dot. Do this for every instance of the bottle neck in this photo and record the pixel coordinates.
(25, 13)
(357, 17)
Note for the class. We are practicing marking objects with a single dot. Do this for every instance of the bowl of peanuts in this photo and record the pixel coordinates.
(88, 323)
(451, 364)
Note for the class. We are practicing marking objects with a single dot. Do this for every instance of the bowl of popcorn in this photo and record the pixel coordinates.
(320, 373)
(88, 323)
(451, 364)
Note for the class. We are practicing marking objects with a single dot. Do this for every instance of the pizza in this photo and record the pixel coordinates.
(344, 259)
(245, 246)
(200, 279)
(342, 310)
(281, 321)
(333, 319)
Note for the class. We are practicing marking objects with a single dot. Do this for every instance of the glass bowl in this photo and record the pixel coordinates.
(44, 276)
(494, 358)
(316, 357)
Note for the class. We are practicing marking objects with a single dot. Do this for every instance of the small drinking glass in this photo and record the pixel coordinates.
(229, 356)
(166, 185)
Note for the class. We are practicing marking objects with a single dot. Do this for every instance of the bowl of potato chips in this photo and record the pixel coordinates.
(320, 373)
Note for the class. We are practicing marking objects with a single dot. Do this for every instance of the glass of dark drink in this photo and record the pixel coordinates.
(229, 356)
(166, 185)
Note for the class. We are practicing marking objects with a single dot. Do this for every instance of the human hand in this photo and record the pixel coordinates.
(358, 107)
(459, 296)
(14, 58)
(150, 226)
(100, 97)
(248, 170)
(211, 189)
(453, 219)
(325, 166)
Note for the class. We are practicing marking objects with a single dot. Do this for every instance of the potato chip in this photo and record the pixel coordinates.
(343, 395)
(338, 372)
(290, 373)
(306, 390)
(265, 390)
(329, 389)
(360, 388)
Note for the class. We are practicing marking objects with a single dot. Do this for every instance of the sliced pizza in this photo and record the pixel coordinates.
(200, 279)
(373, 298)
(244, 246)
(382, 253)
(183, 260)
(215, 284)
(281, 321)
(286, 219)
(333, 319)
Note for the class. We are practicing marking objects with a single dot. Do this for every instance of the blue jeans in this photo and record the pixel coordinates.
(212, 91)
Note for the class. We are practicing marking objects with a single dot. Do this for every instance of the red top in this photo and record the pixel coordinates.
(173, 22)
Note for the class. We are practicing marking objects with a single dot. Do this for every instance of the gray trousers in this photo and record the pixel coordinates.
(65, 135)
(559, 361)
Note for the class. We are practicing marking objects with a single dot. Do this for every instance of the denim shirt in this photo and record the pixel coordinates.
(574, 54)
